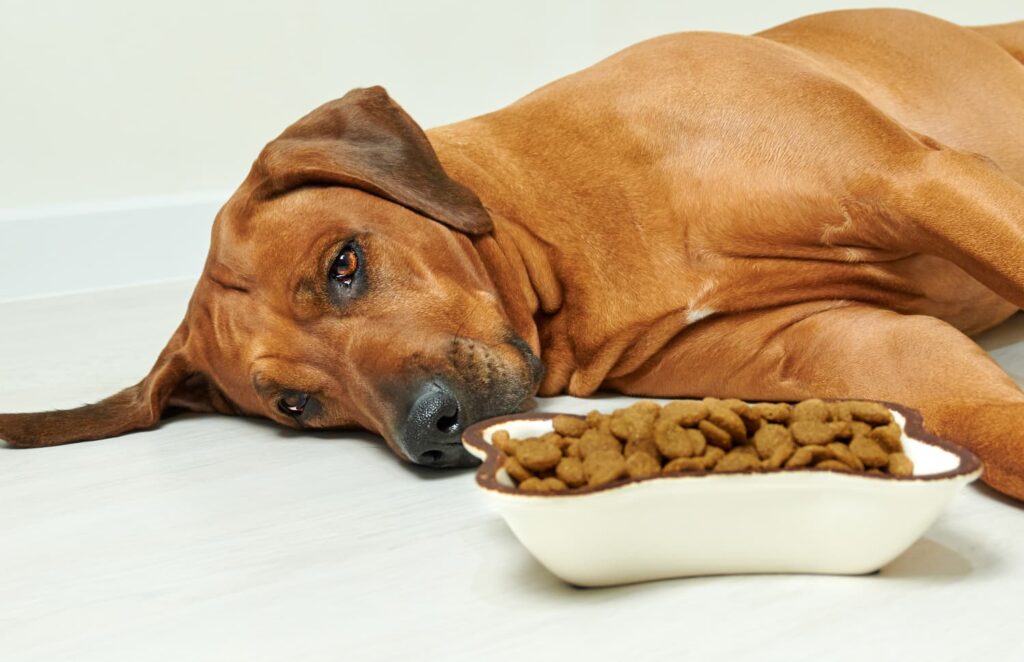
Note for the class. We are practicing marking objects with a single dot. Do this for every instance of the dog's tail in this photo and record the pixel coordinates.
(1010, 36)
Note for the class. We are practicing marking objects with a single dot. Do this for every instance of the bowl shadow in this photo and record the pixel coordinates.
(928, 559)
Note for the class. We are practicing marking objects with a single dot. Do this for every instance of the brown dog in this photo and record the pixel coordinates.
(825, 209)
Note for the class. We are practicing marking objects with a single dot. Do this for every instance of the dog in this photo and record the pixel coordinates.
(829, 208)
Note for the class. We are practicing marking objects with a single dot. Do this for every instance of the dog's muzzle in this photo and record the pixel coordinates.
(432, 432)
(439, 409)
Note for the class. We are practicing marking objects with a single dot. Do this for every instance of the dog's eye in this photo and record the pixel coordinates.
(345, 266)
(293, 404)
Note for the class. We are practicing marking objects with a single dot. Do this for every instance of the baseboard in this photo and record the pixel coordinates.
(73, 248)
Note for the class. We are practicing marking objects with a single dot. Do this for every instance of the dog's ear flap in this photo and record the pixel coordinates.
(365, 140)
(171, 383)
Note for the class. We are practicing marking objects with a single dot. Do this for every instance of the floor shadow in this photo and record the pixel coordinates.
(927, 558)
(1008, 333)
(1010, 502)
(377, 443)
(521, 574)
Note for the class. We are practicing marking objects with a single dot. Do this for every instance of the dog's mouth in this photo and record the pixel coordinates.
(533, 362)
(478, 385)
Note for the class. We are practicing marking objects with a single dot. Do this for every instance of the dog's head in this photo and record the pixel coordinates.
(342, 289)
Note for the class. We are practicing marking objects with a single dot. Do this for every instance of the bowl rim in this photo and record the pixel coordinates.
(487, 473)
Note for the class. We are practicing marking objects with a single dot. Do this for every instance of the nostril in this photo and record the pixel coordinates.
(448, 424)
(431, 457)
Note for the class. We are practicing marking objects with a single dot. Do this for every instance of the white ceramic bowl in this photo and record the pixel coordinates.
(802, 521)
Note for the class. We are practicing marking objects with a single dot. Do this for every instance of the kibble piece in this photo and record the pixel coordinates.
(598, 421)
(674, 441)
(715, 435)
(840, 411)
(569, 426)
(870, 412)
(503, 442)
(635, 421)
(729, 421)
(807, 455)
(686, 413)
(641, 446)
(564, 443)
(737, 460)
(736, 405)
(843, 454)
(537, 455)
(900, 465)
(518, 472)
(533, 485)
(810, 410)
(684, 464)
(642, 465)
(603, 467)
(841, 429)
(888, 437)
(645, 408)
(834, 465)
(746, 449)
(631, 426)
(769, 437)
(780, 455)
(752, 422)
(711, 456)
(778, 412)
(594, 441)
(815, 433)
(555, 485)
(859, 429)
(556, 440)
(570, 471)
(869, 452)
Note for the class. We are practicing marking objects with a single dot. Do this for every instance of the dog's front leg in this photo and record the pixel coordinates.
(844, 350)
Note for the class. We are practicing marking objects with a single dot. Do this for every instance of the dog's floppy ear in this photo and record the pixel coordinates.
(365, 140)
(171, 383)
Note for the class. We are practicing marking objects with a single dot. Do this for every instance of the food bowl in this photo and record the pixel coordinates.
(792, 521)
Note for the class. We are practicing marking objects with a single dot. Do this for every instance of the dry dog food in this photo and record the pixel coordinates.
(709, 435)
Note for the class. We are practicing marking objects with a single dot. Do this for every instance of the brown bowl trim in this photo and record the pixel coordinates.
(487, 474)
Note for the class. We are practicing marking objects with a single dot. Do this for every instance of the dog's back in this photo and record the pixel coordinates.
(1010, 36)
(954, 84)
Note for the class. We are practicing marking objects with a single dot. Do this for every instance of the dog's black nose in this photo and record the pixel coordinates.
(432, 432)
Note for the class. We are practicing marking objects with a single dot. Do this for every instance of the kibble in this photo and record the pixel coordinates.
(642, 465)
(569, 426)
(603, 467)
(538, 455)
(700, 436)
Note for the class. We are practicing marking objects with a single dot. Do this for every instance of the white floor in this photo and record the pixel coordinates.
(226, 539)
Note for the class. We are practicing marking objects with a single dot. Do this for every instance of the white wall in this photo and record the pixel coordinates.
(108, 100)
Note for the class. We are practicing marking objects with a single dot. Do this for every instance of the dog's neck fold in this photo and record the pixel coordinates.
(520, 268)
(519, 261)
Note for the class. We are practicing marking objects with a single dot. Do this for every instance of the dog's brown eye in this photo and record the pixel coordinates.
(293, 404)
(345, 266)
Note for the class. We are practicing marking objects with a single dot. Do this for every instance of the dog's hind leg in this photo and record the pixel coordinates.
(963, 208)
(845, 350)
